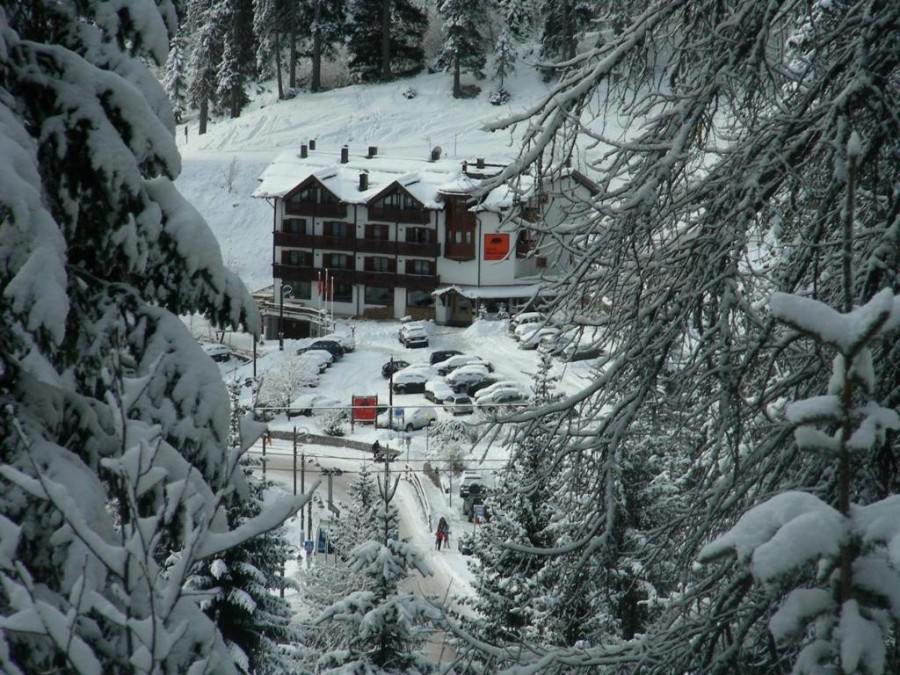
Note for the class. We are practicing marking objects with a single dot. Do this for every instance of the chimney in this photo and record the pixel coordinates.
(312, 143)
(345, 155)
(303, 153)
(363, 182)
(436, 153)
(373, 150)
(479, 163)
(569, 162)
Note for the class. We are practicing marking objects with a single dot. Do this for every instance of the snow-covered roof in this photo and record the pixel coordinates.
(425, 179)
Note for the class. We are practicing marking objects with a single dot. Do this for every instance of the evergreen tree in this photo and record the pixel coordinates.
(463, 47)
(357, 523)
(504, 57)
(520, 17)
(385, 39)
(175, 81)
(242, 586)
(388, 627)
(324, 24)
(114, 459)
(685, 244)
(232, 70)
(267, 26)
(564, 23)
(205, 19)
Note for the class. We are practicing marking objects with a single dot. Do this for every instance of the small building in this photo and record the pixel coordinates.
(387, 237)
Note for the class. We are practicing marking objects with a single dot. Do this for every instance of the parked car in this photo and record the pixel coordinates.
(524, 318)
(309, 404)
(464, 376)
(500, 400)
(412, 382)
(331, 346)
(539, 336)
(347, 340)
(459, 404)
(438, 390)
(408, 419)
(218, 353)
(414, 337)
(442, 355)
(392, 367)
(582, 353)
(449, 365)
(321, 358)
(468, 479)
(501, 384)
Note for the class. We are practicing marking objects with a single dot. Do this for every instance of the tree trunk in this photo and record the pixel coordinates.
(292, 66)
(316, 75)
(278, 66)
(457, 88)
(204, 115)
(386, 40)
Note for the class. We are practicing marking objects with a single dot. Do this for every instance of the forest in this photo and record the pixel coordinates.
(721, 497)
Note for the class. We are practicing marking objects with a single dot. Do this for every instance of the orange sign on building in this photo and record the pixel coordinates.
(496, 246)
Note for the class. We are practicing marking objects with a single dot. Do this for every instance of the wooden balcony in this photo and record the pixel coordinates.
(338, 210)
(424, 282)
(409, 248)
(295, 240)
(418, 217)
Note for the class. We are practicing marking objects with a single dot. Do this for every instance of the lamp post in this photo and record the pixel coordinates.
(284, 289)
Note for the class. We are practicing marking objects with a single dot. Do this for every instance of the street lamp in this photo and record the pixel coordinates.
(284, 289)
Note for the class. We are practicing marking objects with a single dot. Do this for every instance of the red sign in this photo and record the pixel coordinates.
(365, 409)
(496, 246)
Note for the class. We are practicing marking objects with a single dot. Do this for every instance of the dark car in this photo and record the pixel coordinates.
(392, 367)
(443, 355)
(332, 346)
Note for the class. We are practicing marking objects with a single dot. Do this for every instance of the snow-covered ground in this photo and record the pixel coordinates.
(220, 171)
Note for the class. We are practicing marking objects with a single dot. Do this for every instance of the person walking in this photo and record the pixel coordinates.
(443, 533)
(438, 538)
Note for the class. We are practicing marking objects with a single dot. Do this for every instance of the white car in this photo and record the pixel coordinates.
(454, 362)
(465, 376)
(501, 400)
(414, 338)
(526, 318)
(311, 404)
(407, 419)
(423, 368)
(502, 384)
(412, 382)
(438, 390)
(539, 336)
(459, 404)
(321, 358)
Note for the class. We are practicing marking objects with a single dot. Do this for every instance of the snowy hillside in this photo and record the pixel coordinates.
(220, 168)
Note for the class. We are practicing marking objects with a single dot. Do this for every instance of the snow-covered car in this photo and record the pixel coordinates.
(437, 390)
(539, 336)
(454, 362)
(524, 318)
(463, 377)
(392, 367)
(414, 337)
(347, 340)
(408, 419)
(310, 404)
(501, 385)
(409, 382)
(332, 346)
(500, 400)
(217, 352)
(323, 359)
(442, 355)
(459, 404)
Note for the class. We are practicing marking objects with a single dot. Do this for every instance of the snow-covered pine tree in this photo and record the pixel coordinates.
(520, 17)
(388, 626)
(682, 247)
(385, 39)
(232, 70)
(357, 523)
(505, 55)
(242, 587)
(564, 23)
(114, 460)
(176, 82)
(463, 46)
(206, 26)
(323, 25)
(267, 27)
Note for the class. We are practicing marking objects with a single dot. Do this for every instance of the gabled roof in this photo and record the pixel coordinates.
(315, 178)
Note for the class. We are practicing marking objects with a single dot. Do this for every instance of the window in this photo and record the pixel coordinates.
(398, 200)
(295, 257)
(524, 243)
(420, 267)
(379, 295)
(338, 261)
(302, 290)
(294, 225)
(335, 228)
(343, 292)
(308, 195)
(379, 264)
(382, 232)
(419, 299)
(420, 235)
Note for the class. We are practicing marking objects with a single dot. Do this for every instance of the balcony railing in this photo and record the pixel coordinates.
(424, 282)
(329, 210)
(295, 240)
(411, 248)
(389, 215)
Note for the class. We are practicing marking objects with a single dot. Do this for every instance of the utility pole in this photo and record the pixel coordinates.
(302, 484)
(265, 435)
(295, 461)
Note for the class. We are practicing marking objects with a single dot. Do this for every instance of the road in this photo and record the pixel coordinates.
(413, 528)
